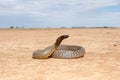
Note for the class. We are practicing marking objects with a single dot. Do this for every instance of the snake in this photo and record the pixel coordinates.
(60, 51)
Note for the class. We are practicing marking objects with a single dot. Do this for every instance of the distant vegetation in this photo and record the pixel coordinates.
(95, 27)
(11, 27)
(16, 27)
(22, 27)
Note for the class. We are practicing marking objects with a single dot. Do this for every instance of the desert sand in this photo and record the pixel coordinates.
(101, 61)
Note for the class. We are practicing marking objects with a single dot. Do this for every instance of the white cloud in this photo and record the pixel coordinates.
(58, 10)
(45, 6)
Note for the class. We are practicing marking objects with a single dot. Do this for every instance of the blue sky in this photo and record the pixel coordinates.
(59, 13)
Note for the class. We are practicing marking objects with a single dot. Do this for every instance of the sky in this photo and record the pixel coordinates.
(59, 13)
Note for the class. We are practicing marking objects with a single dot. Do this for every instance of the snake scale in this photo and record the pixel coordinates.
(60, 51)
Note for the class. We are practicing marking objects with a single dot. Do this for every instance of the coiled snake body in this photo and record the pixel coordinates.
(60, 51)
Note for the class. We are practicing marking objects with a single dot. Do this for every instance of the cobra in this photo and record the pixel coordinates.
(60, 51)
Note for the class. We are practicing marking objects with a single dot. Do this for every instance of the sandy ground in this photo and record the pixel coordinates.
(101, 62)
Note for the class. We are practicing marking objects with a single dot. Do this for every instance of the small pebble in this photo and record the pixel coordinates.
(114, 45)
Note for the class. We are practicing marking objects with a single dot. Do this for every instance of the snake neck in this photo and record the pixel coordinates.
(56, 45)
(59, 40)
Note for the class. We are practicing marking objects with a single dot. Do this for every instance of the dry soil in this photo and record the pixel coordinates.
(101, 61)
